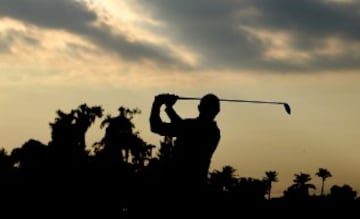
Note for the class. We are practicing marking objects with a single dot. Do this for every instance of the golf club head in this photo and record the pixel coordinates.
(287, 108)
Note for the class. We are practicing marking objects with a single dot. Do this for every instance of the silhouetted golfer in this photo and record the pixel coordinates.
(196, 139)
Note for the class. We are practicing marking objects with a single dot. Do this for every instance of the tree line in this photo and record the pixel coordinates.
(123, 167)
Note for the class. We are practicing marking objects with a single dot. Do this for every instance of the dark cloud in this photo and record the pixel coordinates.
(317, 18)
(76, 17)
(212, 28)
(209, 27)
(57, 14)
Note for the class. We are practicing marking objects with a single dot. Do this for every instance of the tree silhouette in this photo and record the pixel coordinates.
(323, 174)
(121, 141)
(250, 189)
(166, 148)
(342, 193)
(6, 165)
(69, 129)
(31, 156)
(141, 152)
(270, 177)
(224, 180)
(157, 168)
(300, 188)
(44, 171)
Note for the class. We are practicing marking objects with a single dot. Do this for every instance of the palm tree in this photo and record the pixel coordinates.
(300, 188)
(323, 174)
(224, 180)
(228, 173)
(271, 176)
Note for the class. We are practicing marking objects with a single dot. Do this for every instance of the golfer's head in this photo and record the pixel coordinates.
(209, 106)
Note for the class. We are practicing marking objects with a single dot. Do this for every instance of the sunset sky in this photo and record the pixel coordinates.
(58, 54)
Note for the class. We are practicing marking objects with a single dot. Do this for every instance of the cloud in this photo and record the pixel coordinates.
(78, 18)
(311, 18)
(10, 36)
(241, 35)
(209, 28)
(4, 44)
(219, 32)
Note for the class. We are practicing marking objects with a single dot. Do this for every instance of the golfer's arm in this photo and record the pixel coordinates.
(173, 116)
(157, 125)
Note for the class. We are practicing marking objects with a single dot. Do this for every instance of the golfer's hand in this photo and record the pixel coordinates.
(170, 100)
(167, 99)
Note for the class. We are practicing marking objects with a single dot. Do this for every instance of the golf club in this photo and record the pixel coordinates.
(286, 105)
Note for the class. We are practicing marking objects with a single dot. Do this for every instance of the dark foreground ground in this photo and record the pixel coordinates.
(104, 202)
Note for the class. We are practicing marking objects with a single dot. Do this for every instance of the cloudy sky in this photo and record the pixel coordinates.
(57, 54)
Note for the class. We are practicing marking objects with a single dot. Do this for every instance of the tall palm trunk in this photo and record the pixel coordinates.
(322, 186)
(269, 192)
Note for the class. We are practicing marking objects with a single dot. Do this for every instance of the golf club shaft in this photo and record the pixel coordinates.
(234, 100)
